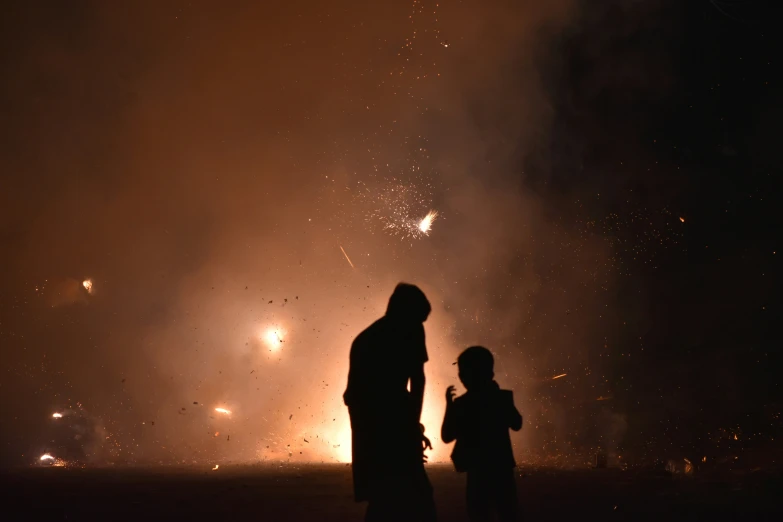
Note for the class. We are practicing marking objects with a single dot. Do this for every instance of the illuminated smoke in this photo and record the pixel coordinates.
(426, 224)
(87, 284)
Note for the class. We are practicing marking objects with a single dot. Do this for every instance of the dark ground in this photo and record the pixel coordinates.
(323, 493)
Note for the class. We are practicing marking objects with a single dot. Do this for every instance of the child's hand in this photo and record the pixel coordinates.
(450, 393)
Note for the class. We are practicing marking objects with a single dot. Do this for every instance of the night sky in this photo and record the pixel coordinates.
(607, 185)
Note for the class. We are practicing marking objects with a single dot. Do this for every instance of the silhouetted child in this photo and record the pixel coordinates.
(479, 421)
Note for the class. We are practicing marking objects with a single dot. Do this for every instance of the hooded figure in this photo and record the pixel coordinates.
(387, 439)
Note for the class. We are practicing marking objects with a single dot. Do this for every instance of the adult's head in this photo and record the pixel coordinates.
(408, 303)
(476, 367)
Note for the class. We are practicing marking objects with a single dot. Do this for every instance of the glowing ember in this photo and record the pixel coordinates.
(223, 410)
(87, 284)
(216, 467)
(273, 337)
(46, 456)
(57, 415)
(426, 224)
(558, 376)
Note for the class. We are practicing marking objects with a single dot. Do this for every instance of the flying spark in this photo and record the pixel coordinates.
(346, 257)
(46, 456)
(682, 220)
(57, 415)
(87, 284)
(425, 225)
(558, 376)
(216, 467)
(223, 410)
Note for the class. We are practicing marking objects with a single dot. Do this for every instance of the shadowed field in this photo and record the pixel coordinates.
(323, 493)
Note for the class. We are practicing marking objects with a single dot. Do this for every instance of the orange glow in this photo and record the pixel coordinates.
(273, 337)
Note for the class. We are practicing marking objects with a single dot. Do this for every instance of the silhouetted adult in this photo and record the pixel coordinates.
(387, 439)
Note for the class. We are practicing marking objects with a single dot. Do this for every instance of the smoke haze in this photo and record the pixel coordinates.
(204, 164)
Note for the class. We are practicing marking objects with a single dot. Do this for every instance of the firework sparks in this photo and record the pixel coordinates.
(46, 456)
(87, 284)
(397, 206)
(216, 467)
(223, 411)
(559, 376)
(347, 258)
(57, 415)
(425, 225)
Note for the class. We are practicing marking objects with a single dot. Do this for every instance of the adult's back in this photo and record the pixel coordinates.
(384, 397)
(383, 359)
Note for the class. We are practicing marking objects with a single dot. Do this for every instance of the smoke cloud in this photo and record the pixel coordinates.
(205, 164)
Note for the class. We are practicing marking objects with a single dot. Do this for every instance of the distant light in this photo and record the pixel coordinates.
(57, 415)
(273, 337)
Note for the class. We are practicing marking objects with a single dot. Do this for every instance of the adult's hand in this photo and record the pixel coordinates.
(425, 442)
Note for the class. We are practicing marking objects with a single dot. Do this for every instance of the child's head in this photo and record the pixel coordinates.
(476, 367)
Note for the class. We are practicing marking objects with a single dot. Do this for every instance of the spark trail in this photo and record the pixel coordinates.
(346, 257)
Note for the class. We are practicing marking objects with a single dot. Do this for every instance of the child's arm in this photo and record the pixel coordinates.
(448, 431)
(514, 417)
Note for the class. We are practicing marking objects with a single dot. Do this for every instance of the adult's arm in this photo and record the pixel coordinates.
(417, 389)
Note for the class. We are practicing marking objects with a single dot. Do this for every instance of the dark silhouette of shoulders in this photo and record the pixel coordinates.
(383, 357)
